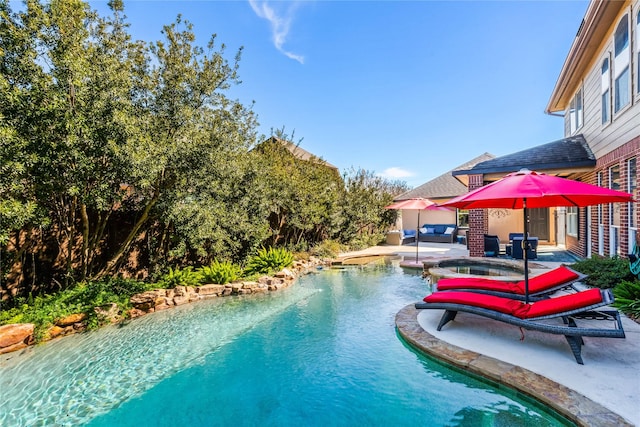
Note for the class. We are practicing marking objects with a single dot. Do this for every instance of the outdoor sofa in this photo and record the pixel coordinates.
(535, 316)
(439, 233)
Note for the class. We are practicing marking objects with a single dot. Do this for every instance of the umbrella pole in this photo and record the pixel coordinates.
(525, 247)
(417, 235)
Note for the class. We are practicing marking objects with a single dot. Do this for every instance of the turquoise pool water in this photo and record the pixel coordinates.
(322, 352)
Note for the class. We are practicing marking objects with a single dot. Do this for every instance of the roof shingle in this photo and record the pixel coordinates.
(444, 186)
(565, 153)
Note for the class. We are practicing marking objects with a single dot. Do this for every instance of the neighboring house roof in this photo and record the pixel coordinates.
(301, 153)
(566, 154)
(444, 186)
(598, 19)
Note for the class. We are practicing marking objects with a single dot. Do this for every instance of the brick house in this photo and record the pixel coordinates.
(598, 95)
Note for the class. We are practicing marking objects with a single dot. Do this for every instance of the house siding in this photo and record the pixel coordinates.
(612, 143)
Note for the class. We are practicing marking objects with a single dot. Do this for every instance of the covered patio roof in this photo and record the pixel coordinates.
(563, 157)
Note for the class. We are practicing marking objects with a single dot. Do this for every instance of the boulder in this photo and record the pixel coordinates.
(16, 334)
(180, 299)
(209, 290)
(285, 273)
(55, 332)
(108, 312)
(146, 301)
(71, 319)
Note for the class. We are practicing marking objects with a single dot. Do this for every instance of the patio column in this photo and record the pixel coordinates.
(478, 221)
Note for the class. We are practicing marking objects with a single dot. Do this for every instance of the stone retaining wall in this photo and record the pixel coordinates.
(18, 336)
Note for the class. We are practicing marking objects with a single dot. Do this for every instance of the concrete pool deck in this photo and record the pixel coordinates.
(605, 391)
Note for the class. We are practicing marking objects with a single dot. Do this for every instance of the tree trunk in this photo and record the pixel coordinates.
(124, 248)
(85, 241)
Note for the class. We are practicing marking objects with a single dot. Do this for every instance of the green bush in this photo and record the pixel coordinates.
(328, 249)
(366, 240)
(604, 272)
(220, 272)
(180, 277)
(269, 260)
(627, 298)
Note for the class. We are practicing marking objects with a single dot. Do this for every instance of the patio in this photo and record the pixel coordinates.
(601, 392)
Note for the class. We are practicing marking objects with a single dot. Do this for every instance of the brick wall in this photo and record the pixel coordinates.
(619, 157)
(478, 221)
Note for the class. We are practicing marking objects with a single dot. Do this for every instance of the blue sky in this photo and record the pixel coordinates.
(407, 89)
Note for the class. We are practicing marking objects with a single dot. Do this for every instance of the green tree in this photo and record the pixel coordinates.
(301, 193)
(364, 215)
(189, 136)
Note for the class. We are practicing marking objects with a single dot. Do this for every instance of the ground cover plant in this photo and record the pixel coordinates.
(44, 310)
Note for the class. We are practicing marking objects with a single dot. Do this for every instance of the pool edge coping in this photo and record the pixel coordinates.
(567, 402)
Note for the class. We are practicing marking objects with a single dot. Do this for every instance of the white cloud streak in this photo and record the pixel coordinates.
(396, 173)
(280, 23)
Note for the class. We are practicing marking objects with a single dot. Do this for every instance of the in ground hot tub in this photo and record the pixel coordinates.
(499, 269)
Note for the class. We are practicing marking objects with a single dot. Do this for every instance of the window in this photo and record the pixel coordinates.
(572, 221)
(463, 218)
(638, 49)
(600, 220)
(605, 84)
(632, 187)
(614, 213)
(621, 65)
(575, 112)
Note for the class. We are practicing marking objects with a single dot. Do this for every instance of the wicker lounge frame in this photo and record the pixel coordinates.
(494, 287)
(573, 333)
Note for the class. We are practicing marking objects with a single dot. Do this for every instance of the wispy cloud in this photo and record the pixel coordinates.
(396, 173)
(280, 21)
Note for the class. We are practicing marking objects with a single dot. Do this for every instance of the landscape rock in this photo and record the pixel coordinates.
(208, 290)
(16, 333)
(108, 312)
(71, 319)
(18, 336)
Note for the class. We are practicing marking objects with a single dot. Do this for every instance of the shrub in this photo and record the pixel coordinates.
(328, 249)
(220, 272)
(604, 272)
(269, 260)
(179, 277)
(627, 298)
(366, 240)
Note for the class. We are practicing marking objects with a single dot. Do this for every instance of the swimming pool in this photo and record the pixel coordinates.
(322, 352)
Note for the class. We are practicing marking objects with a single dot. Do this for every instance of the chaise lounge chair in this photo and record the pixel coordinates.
(540, 286)
(581, 305)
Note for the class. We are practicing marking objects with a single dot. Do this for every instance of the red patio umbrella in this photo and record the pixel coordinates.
(419, 204)
(529, 189)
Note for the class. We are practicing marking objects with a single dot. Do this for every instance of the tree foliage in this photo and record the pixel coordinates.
(127, 157)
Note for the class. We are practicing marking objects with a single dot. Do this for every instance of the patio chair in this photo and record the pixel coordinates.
(491, 245)
(516, 248)
(569, 308)
(540, 286)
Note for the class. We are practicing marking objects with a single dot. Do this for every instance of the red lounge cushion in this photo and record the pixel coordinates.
(537, 284)
(549, 279)
(564, 303)
(477, 283)
(491, 302)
